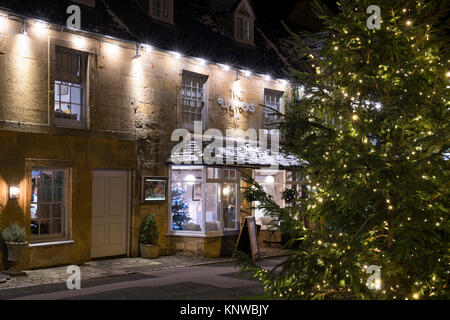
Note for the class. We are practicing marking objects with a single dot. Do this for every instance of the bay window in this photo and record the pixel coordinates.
(204, 201)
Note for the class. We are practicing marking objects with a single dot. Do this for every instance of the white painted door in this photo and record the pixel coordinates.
(109, 213)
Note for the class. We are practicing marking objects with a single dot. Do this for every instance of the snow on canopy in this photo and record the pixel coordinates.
(233, 153)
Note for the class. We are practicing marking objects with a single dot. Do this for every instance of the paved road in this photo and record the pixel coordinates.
(209, 282)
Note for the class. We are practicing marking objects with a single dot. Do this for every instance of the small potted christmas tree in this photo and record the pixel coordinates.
(15, 239)
(148, 237)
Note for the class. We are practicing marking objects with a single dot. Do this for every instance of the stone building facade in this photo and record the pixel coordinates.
(86, 120)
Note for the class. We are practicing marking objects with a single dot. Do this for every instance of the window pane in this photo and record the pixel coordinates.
(75, 95)
(212, 217)
(57, 210)
(56, 226)
(187, 206)
(229, 209)
(58, 194)
(273, 182)
(44, 227)
(46, 178)
(44, 194)
(59, 178)
(43, 211)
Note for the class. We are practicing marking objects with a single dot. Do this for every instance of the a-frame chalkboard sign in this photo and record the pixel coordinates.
(248, 238)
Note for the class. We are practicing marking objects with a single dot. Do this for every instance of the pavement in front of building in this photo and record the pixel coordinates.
(98, 269)
(215, 280)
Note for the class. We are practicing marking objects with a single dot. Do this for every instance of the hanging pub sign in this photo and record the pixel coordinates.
(153, 189)
(236, 103)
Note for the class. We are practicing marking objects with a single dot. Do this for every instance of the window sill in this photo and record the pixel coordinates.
(69, 124)
(48, 244)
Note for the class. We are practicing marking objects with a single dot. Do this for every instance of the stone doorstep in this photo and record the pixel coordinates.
(60, 277)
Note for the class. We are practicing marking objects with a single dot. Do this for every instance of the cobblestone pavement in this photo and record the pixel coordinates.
(112, 267)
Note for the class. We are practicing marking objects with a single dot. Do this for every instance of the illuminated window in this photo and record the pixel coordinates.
(69, 84)
(193, 99)
(272, 110)
(273, 183)
(204, 200)
(48, 207)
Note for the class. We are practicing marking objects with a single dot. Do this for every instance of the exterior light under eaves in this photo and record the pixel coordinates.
(40, 27)
(267, 77)
(201, 61)
(177, 55)
(79, 42)
(246, 73)
(148, 48)
(226, 67)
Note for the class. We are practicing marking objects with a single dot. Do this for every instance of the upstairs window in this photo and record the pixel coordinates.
(161, 10)
(244, 23)
(244, 30)
(69, 84)
(272, 109)
(193, 99)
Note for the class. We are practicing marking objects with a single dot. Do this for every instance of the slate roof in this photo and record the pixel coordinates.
(195, 31)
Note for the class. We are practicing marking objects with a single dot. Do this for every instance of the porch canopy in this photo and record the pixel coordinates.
(233, 152)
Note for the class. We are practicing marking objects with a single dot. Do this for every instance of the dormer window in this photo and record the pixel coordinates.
(244, 23)
(243, 29)
(160, 9)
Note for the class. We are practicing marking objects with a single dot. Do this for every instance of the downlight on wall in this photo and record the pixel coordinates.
(14, 192)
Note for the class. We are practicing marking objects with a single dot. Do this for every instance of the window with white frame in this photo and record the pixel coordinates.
(48, 208)
(244, 29)
(160, 9)
(295, 180)
(69, 85)
(272, 109)
(273, 183)
(204, 200)
(193, 99)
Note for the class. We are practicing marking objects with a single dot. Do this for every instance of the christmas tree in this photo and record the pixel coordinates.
(180, 213)
(373, 126)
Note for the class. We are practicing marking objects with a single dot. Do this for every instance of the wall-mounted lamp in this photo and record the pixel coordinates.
(24, 27)
(237, 75)
(14, 192)
(137, 55)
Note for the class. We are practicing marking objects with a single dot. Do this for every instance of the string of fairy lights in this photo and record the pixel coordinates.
(40, 27)
(320, 196)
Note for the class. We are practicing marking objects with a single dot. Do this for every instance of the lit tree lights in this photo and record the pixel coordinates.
(373, 126)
